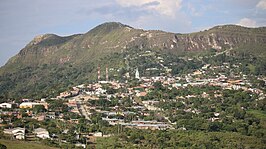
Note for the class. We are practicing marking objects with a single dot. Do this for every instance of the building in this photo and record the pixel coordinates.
(137, 74)
(113, 121)
(41, 133)
(6, 105)
(30, 105)
(97, 134)
(149, 104)
(39, 117)
(17, 133)
(64, 95)
(153, 125)
(51, 115)
(80, 145)
(141, 94)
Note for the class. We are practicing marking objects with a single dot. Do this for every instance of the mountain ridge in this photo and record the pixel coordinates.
(112, 37)
(50, 55)
(149, 38)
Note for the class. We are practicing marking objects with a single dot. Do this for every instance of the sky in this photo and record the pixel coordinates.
(22, 20)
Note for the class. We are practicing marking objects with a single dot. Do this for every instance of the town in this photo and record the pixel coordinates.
(141, 102)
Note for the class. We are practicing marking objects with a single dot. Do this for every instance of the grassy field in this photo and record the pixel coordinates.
(15, 144)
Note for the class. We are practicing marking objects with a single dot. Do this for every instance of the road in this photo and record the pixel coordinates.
(82, 107)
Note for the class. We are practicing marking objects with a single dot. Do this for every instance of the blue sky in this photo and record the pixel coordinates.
(22, 20)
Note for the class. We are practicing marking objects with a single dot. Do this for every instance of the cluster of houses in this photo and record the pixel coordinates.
(20, 133)
(78, 99)
(197, 78)
(25, 104)
(12, 110)
(79, 103)
(17, 133)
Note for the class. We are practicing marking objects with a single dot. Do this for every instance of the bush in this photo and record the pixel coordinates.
(2, 146)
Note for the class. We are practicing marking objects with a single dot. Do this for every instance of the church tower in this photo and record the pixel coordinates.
(137, 74)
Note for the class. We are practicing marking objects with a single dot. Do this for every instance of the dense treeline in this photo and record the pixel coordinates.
(179, 139)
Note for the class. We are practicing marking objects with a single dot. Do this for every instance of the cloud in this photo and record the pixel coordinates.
(193, 10)
(167, 8)
(129, 3)
(167, 15)
(261, 4)
(158, 22)
(247, 22)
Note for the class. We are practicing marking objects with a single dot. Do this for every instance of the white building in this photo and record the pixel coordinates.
(6, 105)
(97, 134)
(42, 133)
(137, 74)
(18, 133)
(80, 145)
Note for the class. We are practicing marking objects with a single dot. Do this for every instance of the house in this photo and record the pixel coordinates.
(113, 121)
(141, 94)
(197, 72)
(18, 133)
(64, 95)
(6, 105)
(182, 128)
(206, 66)
(50, 115)
(80, 145)
(149, 104)
(97, 134)
(42, 133)
(72, 102)
(39, 117)
(30, 105)
(234, 81)
(75, 92)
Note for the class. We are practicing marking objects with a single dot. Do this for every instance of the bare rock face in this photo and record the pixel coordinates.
(221, 37)
(37, 39)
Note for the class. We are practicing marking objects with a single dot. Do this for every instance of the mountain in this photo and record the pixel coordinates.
(51, 63)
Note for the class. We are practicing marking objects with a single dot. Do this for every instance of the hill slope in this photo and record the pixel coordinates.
(50, 63)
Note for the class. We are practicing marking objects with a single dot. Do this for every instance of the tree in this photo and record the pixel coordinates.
(158, 85)
(215, 126)
(38, 108)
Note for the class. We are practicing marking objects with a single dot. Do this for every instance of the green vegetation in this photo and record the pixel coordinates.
(23, 144)
(179, 139)
(203, 116)
(38, 84)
